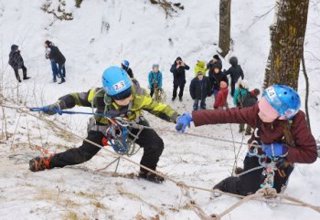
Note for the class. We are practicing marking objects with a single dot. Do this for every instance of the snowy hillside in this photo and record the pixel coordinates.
(103, 33)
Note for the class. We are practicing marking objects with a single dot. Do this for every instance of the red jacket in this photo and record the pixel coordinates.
(305, 149)
(221, 98)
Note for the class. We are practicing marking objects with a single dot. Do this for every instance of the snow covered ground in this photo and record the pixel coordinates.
(139, 32)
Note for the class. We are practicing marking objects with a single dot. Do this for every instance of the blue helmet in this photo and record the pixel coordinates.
(116, 83)
(283, 99)
(125, 63)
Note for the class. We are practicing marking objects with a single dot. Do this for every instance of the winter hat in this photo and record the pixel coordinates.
(255, 92)
(155, 66)
(48, 43)
(243, 83)
(216, 57)
(223, 84)
(217, 65)
(14, 47)
(178, 58)
(267, 112)
(200, 67)
(233, 61)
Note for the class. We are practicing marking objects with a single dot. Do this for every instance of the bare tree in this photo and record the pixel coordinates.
(287, 39)
(224, 27)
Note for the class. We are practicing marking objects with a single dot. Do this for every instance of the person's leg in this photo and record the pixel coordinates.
(203, 103)
(281, 178)
(60, 68)
(246, 184)
(233, 85)
(181, 87)
(248, 130)
(241, 127)
(64, 70)
(151, 92)
(152, 146)
(24, 71)
(195, 104)
(16, 72)
(54, 69)
(70, 157)
(174, 94)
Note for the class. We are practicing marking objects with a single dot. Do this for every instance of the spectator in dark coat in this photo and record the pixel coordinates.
(199, 90)
(235, 72)
(125, 65)
(16, 62)
(54, 66)
(216, 77)
(56, 55)
(250, 100)
(215, 60)
(178, 69)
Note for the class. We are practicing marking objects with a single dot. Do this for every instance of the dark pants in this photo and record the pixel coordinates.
(54, 69)
(233, 88)
(24, 72)
(148, 139)
(62, 71)
(249, 183)
(202, 104)
(175, 88)
(151, 91)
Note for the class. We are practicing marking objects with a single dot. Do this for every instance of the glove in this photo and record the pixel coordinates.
(275, 150)
(52, 109)
(282, 163)
(183, 121)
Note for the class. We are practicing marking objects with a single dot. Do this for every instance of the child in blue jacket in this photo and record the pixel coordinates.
(155, 79)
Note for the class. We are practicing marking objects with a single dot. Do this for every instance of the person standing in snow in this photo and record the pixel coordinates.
(281, 137)
(155, 79)
(200, 86)
(56, 56)
(215, 60)
(125, 65)
(178, 69)
(235, 72)
(216, 77)
(239, 95)
(53, 64)
(16, 62)
(250, 100)
(220, 101)
(119, 97)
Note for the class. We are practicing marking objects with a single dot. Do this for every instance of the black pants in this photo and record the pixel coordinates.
(175, 88)
(249, 183)
(148, 139)
(233, 88)
(24, 71)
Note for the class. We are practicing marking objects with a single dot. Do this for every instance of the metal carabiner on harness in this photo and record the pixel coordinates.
(117, 136)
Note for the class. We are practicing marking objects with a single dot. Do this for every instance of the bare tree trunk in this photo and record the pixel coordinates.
(287, 39)
(224, 27)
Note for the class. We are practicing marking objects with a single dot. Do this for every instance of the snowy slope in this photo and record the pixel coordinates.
(140, 33)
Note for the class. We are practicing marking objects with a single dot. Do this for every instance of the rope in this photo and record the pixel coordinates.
(264, 192)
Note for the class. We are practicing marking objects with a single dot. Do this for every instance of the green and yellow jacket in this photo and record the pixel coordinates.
(103, 104)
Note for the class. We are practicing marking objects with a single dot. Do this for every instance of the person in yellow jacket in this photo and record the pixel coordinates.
(119, 97)
(200, 67)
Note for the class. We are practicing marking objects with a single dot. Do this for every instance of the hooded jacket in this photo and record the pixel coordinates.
(305, 149)
(15, 58)
(235, 71)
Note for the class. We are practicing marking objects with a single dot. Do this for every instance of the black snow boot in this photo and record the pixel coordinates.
(151, 177)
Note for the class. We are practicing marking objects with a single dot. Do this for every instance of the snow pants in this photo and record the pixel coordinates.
(175, 88)
(249, 183)
(148, 139)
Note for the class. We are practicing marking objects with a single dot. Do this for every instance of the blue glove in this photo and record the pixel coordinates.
(52, 109)
(275, 150)
(183, 121)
